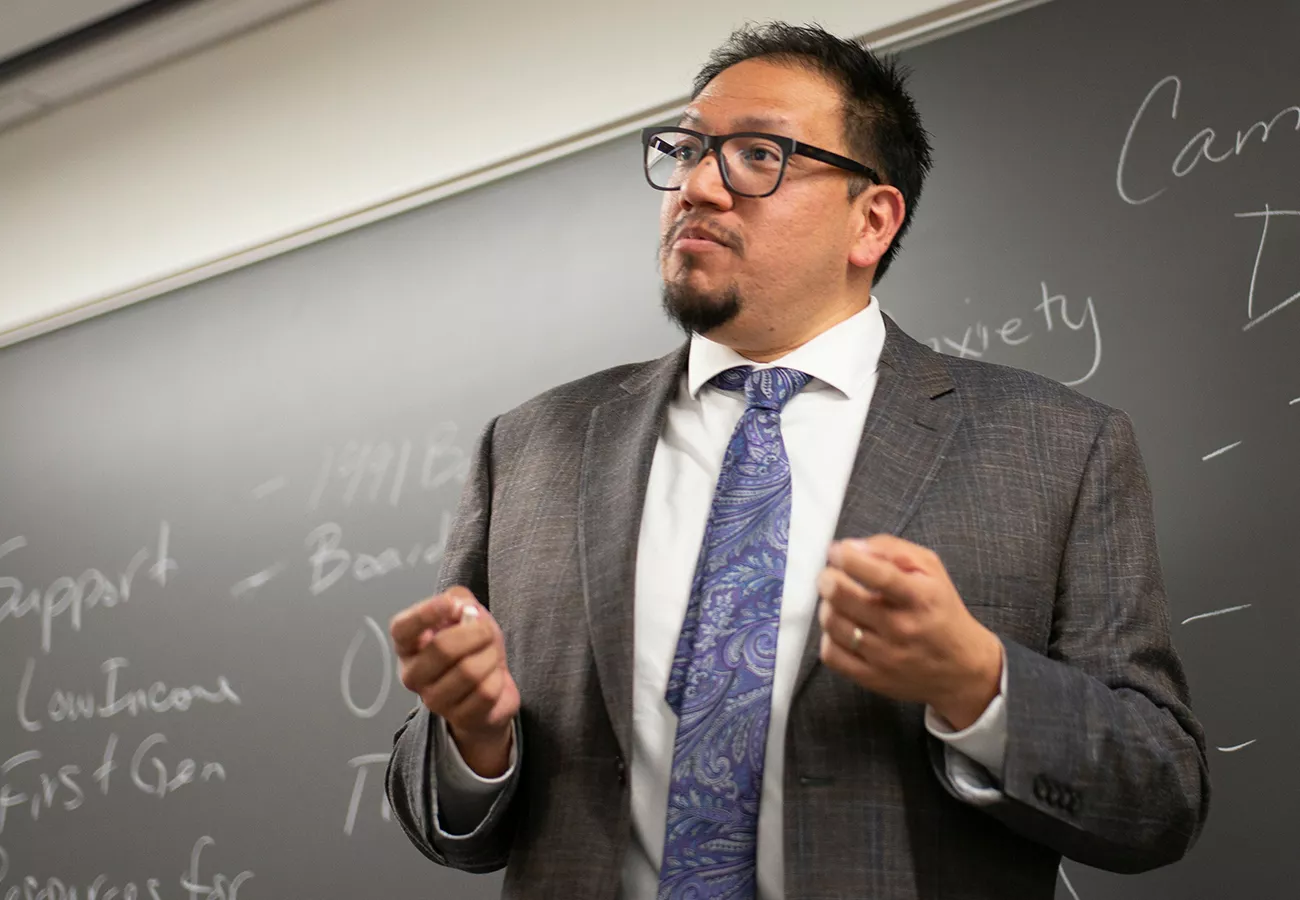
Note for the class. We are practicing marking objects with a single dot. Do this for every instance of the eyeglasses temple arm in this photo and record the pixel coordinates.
(834, 159)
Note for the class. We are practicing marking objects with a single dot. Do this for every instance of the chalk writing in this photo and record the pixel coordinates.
(104, 774)
(102, 888)
(163, 563)
(165, 781)
(1222, 450)
(329, 562)
(1217, 612)
(73, 597)
(376, 472)
(361, 764)
(61, 786)
(24, 785)
(979, 339)
(1266, 214)
(1200, 147)
(69, 706)
(222, 887)
(269, 487)
(1235, 747)
(387, 667)
(246, 587)
(1090, 314)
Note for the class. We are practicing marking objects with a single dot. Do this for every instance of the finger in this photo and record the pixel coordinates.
(460, 680)
(846, 632)
(463, 612)
(407, 627)
(840, 659)
(433, 613)
(907, 555)
(507, 705)
(445, 650)
(848, 597)
(876, 572)
(476, 706)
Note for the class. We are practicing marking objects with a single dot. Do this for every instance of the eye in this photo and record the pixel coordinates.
(759, 154)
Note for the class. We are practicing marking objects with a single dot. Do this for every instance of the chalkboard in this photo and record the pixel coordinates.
(1105, 210)
(212, 502)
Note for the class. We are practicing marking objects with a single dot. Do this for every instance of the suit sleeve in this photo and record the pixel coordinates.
(412, 770)
(1105, 762)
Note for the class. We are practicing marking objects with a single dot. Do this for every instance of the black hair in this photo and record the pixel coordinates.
(881, 125)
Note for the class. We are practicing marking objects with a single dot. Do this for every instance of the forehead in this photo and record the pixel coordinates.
(762, 95)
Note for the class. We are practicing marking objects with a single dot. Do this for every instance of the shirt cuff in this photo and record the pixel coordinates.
(974, 756)
(464, 796)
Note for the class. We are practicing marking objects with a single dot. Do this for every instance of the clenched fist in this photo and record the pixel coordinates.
(892, 621)
(453, 655)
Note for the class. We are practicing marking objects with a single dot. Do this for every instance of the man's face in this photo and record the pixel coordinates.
(765, 260)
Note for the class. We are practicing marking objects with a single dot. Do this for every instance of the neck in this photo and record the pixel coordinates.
(767, 342)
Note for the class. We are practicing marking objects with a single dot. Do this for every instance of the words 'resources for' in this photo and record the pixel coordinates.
(192, 884)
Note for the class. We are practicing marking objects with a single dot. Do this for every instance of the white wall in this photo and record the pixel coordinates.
(338, 115)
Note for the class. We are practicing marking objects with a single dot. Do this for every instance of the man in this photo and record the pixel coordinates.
(803, 609)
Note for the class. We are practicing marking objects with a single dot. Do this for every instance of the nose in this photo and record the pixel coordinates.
(704, 185)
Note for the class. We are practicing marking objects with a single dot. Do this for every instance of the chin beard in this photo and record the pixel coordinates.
(697, 312)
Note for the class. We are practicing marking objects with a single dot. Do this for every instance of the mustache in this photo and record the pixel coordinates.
(724, 236)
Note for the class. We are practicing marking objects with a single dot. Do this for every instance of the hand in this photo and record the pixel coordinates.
(452, 653)
(918, 641)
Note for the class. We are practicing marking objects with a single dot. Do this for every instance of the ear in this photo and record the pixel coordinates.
(877, 215)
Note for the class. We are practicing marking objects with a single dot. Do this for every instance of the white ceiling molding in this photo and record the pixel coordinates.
(140, 46)
(25, 24)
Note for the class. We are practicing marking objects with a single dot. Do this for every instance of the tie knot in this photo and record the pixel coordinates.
(764, 388)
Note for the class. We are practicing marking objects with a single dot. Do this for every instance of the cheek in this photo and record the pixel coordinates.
(777, 252)
(791, 253)
(668, 212)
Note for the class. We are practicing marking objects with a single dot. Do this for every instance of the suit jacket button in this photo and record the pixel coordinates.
(1040, 788)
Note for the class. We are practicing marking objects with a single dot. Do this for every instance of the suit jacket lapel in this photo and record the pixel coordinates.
(913, 416)
(616, 459)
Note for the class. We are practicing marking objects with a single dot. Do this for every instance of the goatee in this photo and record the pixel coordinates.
(696, 312)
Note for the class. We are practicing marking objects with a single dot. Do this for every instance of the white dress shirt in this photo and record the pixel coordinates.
(821, 427)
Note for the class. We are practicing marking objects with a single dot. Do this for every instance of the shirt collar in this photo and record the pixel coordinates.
(844, 356)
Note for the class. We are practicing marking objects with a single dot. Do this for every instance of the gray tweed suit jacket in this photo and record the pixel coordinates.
(1037, 501)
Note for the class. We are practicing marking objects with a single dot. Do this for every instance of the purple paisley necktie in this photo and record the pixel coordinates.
(721, 681)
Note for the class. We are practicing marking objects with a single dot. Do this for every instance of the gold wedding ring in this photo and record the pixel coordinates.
(857, 638)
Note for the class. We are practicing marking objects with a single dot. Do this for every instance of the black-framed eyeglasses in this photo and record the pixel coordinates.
(752, 163)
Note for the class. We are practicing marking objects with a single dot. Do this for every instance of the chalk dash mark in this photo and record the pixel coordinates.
(1222, 450)
(1217, 612)
(267, 488)
(253, 582)
(1235, 748)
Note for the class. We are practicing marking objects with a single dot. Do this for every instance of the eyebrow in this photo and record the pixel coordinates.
(744, 123)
